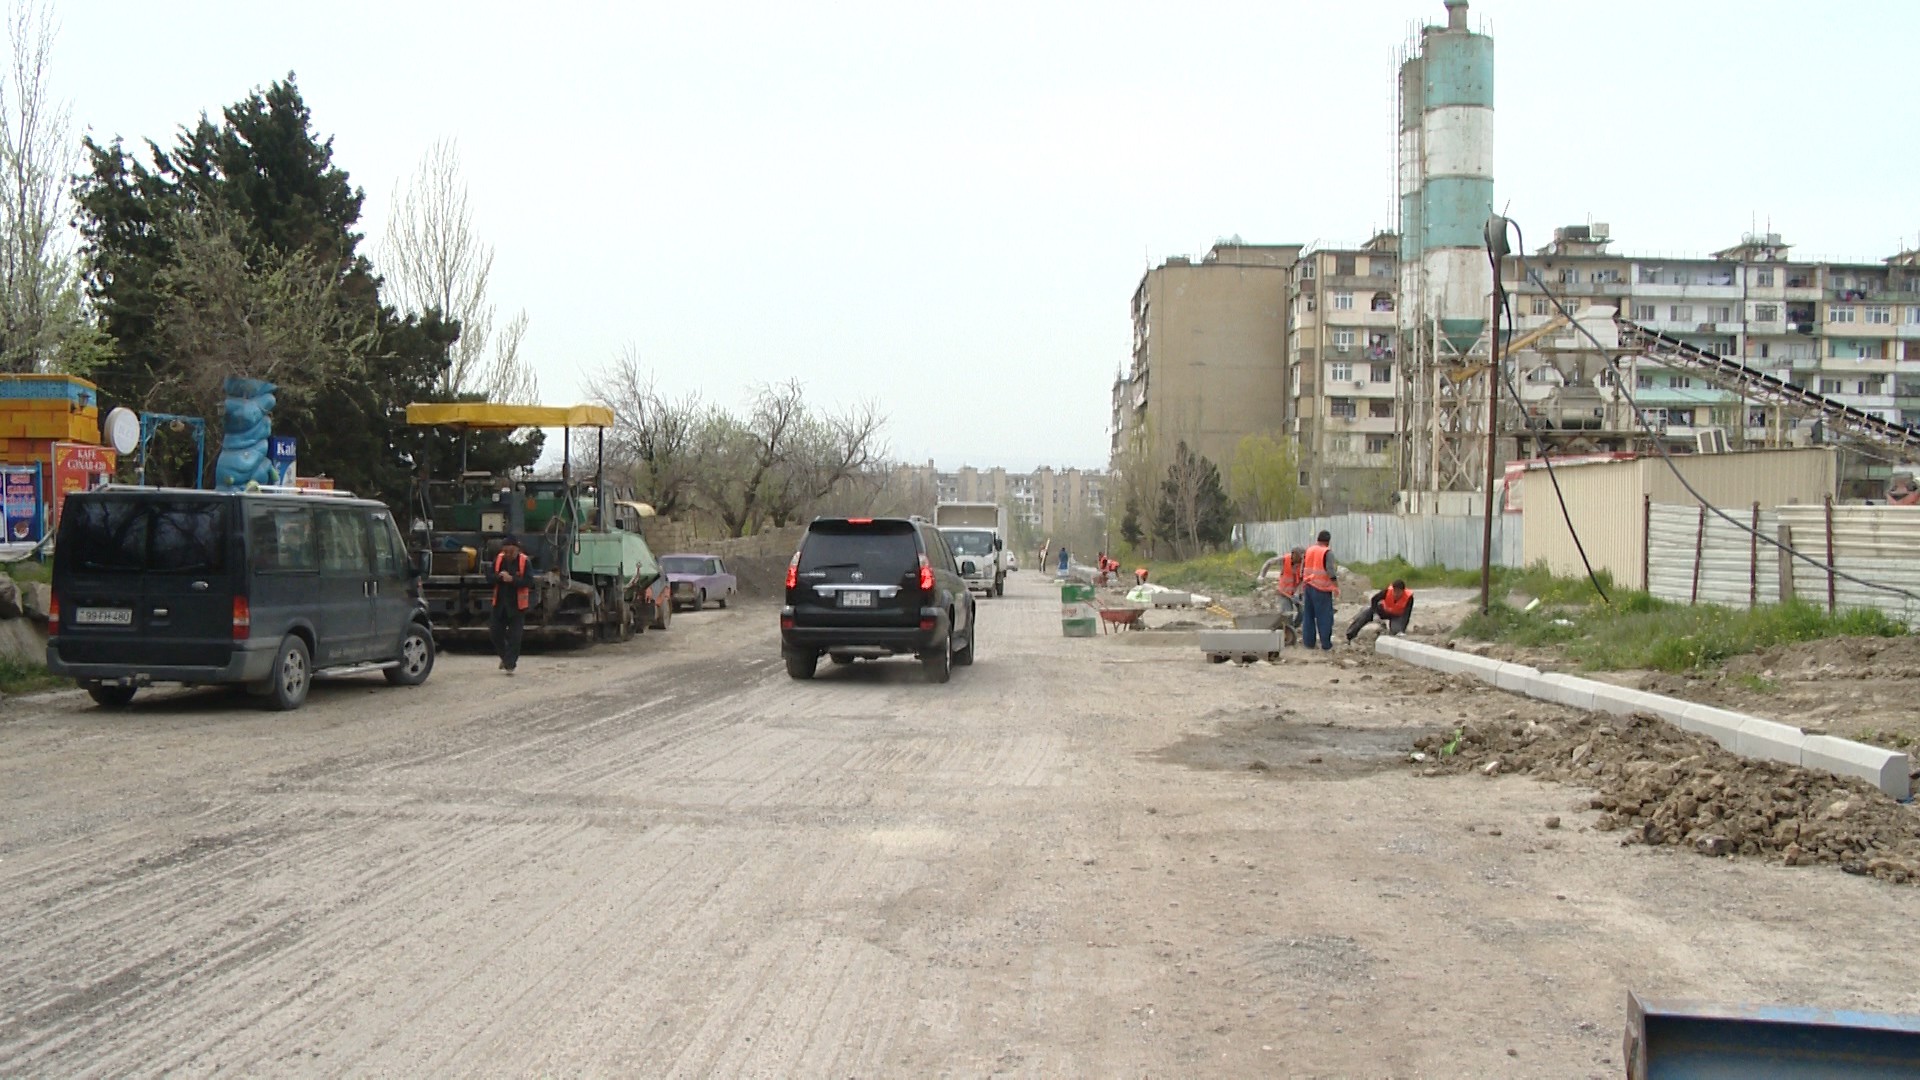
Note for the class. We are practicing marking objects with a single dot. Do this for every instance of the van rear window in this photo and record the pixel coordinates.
(166, 536)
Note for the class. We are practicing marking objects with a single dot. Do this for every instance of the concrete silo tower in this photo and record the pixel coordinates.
(1445, 173)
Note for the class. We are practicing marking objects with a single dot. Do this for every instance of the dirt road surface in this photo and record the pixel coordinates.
(1079, 858)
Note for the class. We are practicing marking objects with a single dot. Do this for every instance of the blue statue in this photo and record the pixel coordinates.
(243, 446)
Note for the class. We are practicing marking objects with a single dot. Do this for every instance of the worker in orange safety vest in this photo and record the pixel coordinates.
(1392, 605)
(1318, 588)
(1292, 564)
(512, 573)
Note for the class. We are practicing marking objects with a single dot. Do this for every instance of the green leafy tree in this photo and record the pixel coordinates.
(1194, 513)
(236, 249)
(1265, 480)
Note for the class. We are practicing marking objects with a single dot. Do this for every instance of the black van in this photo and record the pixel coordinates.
(259, 589)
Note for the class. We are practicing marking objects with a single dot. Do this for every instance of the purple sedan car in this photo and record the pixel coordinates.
(696, 579)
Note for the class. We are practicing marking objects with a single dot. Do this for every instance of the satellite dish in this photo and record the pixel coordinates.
(123, 430)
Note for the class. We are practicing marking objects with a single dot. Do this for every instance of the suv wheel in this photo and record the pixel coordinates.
(292, 675)
(416, 658)
(937, 663)
(964, 657)
(802, 665)
(109, 696)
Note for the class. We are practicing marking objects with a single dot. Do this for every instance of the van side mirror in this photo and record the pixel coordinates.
(998, 544)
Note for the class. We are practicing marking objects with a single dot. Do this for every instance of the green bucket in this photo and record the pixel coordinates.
(1077, 613)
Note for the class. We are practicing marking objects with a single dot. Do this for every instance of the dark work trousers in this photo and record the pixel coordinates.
(1396, 625)
(1317, 627)
(509, 624)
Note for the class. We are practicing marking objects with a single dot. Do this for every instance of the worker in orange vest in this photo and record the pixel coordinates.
(1288, 588)
(511, 593)
(1392, 605)
(1318, 588)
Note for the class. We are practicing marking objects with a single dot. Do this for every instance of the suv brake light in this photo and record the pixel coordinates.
(926, 575)
(242, 618)
(793, 571)
(53, 615)
(859, 521)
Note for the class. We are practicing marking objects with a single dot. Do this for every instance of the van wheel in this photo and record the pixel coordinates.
(802, 665)
(663, 613)
(937, 663)
(416, 658)
(292, 674)
(700, 601)
(722, 602)
(1000, 586)
(110, 696)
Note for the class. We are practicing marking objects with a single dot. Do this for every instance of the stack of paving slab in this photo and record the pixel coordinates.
(1747, 736)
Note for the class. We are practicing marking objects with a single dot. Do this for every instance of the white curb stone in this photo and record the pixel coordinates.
(1884, 769)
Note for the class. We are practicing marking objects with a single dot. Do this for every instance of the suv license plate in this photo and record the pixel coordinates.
(103, 616)
(856, 599)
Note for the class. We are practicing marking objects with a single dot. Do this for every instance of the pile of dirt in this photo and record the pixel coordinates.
(761, 577)
(1663, 786)
(1849, 658)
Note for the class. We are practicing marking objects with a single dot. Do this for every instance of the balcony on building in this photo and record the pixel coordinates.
(1705, 282)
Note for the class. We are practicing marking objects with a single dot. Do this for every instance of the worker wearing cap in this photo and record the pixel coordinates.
(512, 573)
(1318, 588)
(1392, 605)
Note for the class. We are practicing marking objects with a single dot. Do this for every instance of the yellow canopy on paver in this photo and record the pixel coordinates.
(480, 414)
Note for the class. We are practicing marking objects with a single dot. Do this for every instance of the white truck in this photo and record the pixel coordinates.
(977, 533)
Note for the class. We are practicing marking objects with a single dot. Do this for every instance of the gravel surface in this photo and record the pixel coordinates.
(1081, 857)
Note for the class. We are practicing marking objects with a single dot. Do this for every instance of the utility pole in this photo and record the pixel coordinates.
(1496, 234)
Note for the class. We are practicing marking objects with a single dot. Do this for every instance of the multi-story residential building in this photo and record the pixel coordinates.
(1048, 500)
(1209, 354)
(1344, 376)
(1848, 330)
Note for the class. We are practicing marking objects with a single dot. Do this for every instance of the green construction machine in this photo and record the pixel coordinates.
(594, 576)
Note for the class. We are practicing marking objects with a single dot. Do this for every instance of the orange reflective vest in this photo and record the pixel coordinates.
(1395, 604)
(1315, 576)
(1289, 576)
(523, 593)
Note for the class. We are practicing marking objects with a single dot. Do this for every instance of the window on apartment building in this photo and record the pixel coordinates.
(1343, 301)
(1380, 266)
(1879, 314)
(1342, 407)
(1860, 387)
(1569, 276)
(1343, 340)
(1644, 313)
(1380, 408)
(1765, 351)
(1719, 313)
(1680, 313)
(1306, 271)
(1342, 373)
(1606, 277)
(1343, 264)
(1766, 313)
(1763, 278)
(1572, 305)
(1847, 350)
(1799, 350)
(1379, 444)
(1829, 386)
(1340, 444)
(1305, 480)
(1641, 382)
(1722, 347)
(1840, 313)
(1913, 315)
(1382, 301)
(1756, 418)
(1680, 382)
(1382, 373)
(1680, 417)
(1541, 306)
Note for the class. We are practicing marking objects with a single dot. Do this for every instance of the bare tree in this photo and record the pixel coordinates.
(40, 304)
(652, 438)
(431, 257)
(231, 306)
(825, 454)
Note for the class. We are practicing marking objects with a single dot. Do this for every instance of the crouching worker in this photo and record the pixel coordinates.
(1392, 605)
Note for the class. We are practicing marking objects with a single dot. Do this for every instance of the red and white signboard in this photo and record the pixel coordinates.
(78, 467)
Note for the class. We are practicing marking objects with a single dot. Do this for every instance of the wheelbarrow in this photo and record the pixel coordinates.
(1118, 619)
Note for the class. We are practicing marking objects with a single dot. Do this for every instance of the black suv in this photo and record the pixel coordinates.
(874, 587)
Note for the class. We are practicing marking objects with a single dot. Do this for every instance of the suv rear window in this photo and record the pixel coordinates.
(167, 536)
(883, 550)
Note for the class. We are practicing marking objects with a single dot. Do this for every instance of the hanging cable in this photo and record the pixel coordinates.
(1497, 372)
(1659, 444)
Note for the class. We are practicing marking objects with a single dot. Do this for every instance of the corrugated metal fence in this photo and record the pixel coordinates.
(1696, 558)
(1452, 542)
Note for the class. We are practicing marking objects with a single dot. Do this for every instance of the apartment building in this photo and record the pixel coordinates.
(1209, 354)
(1048, 500)
(1850, 330)
(1344, 377)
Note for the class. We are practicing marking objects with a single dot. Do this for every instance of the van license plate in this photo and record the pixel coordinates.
(856, 599)
(103, 616)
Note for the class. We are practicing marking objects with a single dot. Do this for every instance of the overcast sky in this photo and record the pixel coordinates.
(946, 208)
